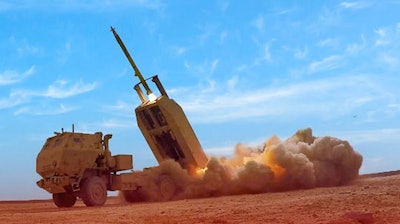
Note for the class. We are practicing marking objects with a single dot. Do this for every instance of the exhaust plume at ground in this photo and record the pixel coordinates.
(300, 162)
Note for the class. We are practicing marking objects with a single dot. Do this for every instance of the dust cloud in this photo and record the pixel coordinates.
(299, 162)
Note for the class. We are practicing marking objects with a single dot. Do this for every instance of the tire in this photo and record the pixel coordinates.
(166, 187)
(64, 200)
(93, 191)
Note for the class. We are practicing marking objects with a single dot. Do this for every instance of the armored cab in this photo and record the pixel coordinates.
(79, 165)
(63, 156)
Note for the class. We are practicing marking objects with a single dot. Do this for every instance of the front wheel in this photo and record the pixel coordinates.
(93, 191)
(64, 200)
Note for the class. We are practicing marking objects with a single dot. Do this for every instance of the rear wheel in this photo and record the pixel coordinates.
(93, 191)
(167, 187)
(64, 200)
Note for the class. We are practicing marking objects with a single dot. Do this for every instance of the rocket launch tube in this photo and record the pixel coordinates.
(135, 68)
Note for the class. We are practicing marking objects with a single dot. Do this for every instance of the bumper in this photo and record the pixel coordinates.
(57, 184)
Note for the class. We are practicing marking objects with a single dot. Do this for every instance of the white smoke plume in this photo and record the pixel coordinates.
(302, 161)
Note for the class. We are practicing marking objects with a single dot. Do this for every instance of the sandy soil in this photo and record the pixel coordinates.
(370, 199)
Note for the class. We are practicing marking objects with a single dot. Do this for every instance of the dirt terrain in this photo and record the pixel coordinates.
(371, 198)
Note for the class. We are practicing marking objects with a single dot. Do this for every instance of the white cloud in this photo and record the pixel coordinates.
(180, 50)
(22, 110)
(24, 48)
(220, 150)
(327, 18)
(209, 86)
(64, 52)
(9, 77)
(328, 42)
(12, 101)
(60, 109)
(120, 108)
(232, 82)
(114, 123)
(326, 64)
(204, 69)
(207, 31)
(241, 68)
(388, 36)
(354, 5)
(392, 109)
(214, 64)
(285, 11)
(61, 89)
(355, 48)
(322, 98)
(267, 53)
(258, 23)
(76, 5)
(301, 53)
(382, 37)
(391, 61)
(371, 136)
(387, 47)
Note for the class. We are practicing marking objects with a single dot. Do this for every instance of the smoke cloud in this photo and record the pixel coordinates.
(299, 162)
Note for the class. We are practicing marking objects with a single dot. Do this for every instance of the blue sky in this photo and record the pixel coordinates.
(242, 71)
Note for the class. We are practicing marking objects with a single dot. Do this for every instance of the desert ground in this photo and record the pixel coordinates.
(372, 198)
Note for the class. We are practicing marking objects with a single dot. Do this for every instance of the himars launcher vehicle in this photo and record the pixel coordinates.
(81, 165)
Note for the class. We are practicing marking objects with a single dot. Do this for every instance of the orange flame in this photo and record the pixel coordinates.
(201, 171)
(271, 162)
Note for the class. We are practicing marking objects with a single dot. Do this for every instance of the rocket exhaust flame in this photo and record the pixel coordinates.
(152, 97)
(300, 162)
(201, 172)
